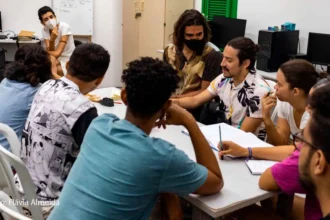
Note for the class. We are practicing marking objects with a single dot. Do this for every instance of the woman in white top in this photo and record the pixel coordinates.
(295, 78)
(58, 39)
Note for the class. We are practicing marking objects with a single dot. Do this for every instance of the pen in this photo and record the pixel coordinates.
(211, 145)
(220, 142)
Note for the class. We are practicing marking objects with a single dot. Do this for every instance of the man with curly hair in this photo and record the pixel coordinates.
(126, 169)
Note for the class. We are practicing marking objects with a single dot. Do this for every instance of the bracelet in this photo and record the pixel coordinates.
(250, 153)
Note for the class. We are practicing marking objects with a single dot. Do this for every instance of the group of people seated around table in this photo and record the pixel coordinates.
(104, 167)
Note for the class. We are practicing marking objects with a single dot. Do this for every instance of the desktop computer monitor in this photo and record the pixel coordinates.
(318, 49)
(224, 29)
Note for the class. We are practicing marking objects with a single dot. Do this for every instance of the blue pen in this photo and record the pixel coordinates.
(220, 142)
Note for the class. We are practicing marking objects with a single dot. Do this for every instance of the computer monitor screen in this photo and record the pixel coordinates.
(224, 29)
(318, 49)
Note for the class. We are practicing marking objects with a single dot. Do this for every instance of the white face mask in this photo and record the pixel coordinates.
(51, 23)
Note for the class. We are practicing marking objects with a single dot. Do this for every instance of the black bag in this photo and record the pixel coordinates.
(213, 113)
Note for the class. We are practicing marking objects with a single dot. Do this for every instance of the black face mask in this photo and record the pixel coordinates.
(195, 45)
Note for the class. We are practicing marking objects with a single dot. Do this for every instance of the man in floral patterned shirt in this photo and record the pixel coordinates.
(239, 88)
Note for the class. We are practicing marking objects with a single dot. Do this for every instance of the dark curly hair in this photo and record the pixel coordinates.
(32, 65)
(149, 84)
(247, 50)
(189, 18)
(88, 62)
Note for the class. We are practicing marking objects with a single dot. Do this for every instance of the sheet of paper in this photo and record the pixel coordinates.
(258, 167)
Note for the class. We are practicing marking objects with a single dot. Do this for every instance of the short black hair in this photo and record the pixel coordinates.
(32, 65)
(319, 103)
(88, 62)
(149, 84)
(247, 50)
(44, 10)
(301, 74)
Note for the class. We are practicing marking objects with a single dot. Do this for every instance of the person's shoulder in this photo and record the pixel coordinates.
(102, 123)
(261, 85)
(163, 147)
(105, 118)
(63, 24)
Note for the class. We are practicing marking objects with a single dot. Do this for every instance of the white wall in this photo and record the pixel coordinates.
(309, 16)
(198, 5)
(18, 15)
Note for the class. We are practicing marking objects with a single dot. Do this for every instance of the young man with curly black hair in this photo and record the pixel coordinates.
(120, 170)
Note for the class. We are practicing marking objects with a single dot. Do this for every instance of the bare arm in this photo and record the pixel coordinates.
(277, 135)
(195, 101)
(58, 51)
(251, 124)
(267, 181)
(266, 153)
(176, 115)
(204, 86)
(205, 157)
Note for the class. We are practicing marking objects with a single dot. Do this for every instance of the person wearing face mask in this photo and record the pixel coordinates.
(196, 61)
(58, 40)
(239, 88)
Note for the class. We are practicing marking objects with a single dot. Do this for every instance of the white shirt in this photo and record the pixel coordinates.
(285, 111)
(63, 30)
(244, 100)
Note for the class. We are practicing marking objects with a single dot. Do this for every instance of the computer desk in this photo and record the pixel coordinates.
(10, 46)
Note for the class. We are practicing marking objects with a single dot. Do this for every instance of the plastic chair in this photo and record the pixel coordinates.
(9, 160)
(10, 135)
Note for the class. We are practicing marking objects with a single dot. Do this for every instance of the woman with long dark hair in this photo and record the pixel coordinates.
(32, 66)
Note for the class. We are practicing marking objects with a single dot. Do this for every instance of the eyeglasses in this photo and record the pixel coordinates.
(298, 141)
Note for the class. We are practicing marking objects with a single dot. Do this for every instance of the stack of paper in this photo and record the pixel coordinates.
(25, 35)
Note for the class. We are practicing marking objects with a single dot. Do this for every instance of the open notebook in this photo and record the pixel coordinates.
(258, 167)
(229, 133)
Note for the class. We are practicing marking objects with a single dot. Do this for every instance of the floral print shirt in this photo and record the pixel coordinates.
(243, 100)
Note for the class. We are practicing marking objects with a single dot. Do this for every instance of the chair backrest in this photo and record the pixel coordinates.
(9, 160)
(77, 43)
(11, 137)
(213, 46)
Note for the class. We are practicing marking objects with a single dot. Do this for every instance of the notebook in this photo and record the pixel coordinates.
(258, 167)
(229, 133)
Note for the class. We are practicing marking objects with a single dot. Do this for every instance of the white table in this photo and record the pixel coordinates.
(11, 41)
(241, 187)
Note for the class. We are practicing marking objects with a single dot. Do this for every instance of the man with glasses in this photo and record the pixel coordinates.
(314, 147)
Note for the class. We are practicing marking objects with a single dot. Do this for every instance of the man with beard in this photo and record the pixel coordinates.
(314, 146)
(239, 88)
(191, 55)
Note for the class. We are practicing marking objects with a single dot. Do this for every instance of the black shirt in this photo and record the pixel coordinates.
(80, 127)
